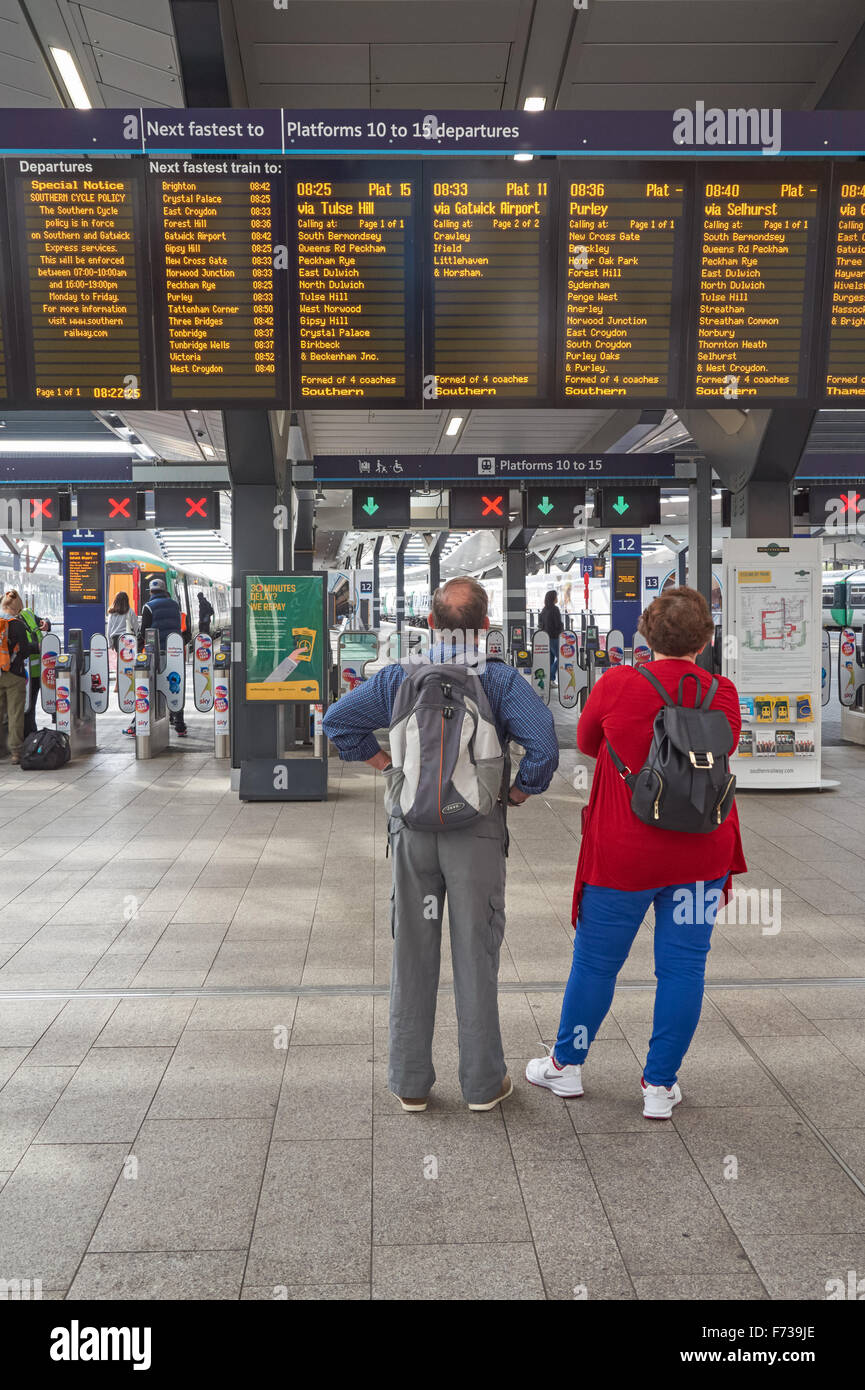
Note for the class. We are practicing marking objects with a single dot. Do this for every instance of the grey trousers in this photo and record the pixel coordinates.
(469, 867)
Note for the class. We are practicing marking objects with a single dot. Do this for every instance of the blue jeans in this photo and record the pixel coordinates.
(608, 923)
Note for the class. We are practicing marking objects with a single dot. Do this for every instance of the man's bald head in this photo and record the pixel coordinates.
(461, 604)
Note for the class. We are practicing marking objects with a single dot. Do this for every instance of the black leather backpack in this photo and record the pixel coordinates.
(685, 783)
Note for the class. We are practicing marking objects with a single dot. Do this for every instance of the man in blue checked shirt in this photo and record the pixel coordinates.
(467, 865)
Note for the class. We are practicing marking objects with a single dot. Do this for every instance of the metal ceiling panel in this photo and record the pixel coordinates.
(475, 63)
(700, 63)
(447, 96)
(286, 63)
(108, 34)
(311, 97)
(736, 21)
(377, 21)
(16, 96)
(667, 96)
(14, 36)
(157, 13)
(148, 82)
(25, 76)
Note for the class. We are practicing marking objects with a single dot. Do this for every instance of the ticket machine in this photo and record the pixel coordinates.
(74, 686)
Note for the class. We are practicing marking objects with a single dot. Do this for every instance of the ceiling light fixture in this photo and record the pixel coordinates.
(455, 425)
(71, 79)
(523, 158)
(66, 446)
(534, 103)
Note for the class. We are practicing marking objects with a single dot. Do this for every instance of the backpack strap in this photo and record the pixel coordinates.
(622, 768)
(641, 670)
(710, 693)
(691, 676)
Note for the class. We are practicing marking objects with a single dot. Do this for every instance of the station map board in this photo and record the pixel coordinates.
(355, 293)
(759, 242)
(490, 253)
(79, 267)
(622, 274)
(220, 302)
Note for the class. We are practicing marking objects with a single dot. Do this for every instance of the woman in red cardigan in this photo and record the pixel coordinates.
(626, 866)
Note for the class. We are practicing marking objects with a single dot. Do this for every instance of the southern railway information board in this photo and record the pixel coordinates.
(490, 259)
(354, 295)
(180, 282)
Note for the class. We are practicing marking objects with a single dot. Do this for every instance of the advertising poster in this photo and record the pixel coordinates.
(285, 637)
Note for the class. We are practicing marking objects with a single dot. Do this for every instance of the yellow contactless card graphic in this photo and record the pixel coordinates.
(763, 708)
(304, 641)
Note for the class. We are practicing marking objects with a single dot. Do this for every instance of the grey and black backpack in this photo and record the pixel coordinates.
(448, 761)
(685, 783)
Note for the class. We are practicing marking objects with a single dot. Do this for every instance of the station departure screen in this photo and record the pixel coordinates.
(221, 303)
(489, 280)
(79, 256)
(83, 573)
(844, 376)
(354, 294)
(622, 256)
(758, 247)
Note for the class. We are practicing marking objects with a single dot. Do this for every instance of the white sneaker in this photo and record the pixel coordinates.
(566, 1081)
(658, 1101)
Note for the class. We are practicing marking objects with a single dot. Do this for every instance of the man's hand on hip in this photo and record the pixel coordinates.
(380, 760)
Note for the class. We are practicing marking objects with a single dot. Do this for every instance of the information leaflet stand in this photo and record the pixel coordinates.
(773, 634)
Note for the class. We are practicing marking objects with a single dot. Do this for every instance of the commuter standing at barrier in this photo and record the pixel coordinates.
(35, 627)
(121, 620)
(627, 865)
(550, 622)
(205, 612)
(162, 613)
(467, 864)
(16, 646)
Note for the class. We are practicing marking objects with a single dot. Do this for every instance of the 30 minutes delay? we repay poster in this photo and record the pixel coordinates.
(284, 637)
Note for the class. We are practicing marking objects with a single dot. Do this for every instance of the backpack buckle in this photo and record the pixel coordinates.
(447, 689)
(702, 767)
(447, 712)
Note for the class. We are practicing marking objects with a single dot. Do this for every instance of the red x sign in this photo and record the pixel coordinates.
(493, 505)
(42, 507)
(850, 501)
(198, 508)
(119, 507)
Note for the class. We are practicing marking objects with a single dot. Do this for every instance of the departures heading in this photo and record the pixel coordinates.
(186, 283)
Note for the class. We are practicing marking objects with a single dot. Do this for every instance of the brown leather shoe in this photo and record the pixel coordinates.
(505, 1090)
(413, 1102)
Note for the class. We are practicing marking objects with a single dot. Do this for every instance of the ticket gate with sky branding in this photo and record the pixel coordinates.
(541, 666)
(572, 676)
(211, 686)
(825, 677)
(74, 686)
(495, 643)
(851, 669)
(159, 690)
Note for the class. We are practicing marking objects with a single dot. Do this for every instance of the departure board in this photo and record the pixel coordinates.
(216, 225)
(79, 260)
(6, 391)
(83, 573)
(759, 243)
(843, 379)
(489, 284)
(622, 258)
(354, 292)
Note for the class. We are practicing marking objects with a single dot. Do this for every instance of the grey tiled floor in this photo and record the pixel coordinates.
(175, 1122)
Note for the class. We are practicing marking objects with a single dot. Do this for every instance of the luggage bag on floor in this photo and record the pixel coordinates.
(45, 750)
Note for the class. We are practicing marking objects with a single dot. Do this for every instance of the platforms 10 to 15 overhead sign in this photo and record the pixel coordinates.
(181, 281)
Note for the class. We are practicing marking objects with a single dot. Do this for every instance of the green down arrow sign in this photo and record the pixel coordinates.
(620, 505)
(370, 506)
(545, 506)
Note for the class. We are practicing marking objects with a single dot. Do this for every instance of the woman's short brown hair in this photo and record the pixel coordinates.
(677, 623)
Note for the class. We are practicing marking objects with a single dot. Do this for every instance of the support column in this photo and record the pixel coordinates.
(434, 549)
(400, 546)
(699, 569)
(376, 582)
(515, 545)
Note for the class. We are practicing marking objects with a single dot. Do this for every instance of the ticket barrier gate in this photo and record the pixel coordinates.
(151, 685)
(211, 689)
(74, 686)
(851, 668)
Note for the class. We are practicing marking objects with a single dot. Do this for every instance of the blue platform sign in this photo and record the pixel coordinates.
(84, 583)
(626, 584)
